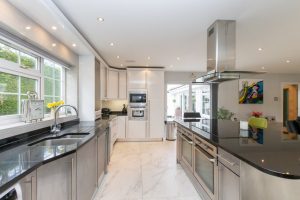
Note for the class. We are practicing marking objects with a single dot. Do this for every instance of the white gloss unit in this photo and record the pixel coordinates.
(147, 123)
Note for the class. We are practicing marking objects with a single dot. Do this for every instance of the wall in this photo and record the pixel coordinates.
(14, 21)
(180, 77)
(228, 96)
(87, 88)
(114, 105)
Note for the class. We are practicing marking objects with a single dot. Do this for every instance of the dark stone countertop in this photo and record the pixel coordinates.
(19, 159)
(271, 150)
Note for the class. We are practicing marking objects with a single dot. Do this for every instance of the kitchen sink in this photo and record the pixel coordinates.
(56, 142)
(74, 135)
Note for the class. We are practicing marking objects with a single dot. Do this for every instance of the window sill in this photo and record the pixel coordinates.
(22, 127)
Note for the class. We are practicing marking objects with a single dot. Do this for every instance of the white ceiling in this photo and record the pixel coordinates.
(165, 30)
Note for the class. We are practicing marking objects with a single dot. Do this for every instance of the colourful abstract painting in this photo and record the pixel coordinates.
(251, 91)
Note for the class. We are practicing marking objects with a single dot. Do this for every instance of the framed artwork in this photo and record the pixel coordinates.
(251, 91)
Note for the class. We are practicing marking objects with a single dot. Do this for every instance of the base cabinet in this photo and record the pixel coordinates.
(101, 154)
(87, 170)
(57, 179)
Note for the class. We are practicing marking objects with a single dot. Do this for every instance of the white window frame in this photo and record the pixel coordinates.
(37, 74)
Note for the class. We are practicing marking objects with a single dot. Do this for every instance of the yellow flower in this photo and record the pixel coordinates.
(50, 105)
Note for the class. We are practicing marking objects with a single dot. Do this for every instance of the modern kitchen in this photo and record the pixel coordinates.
(149, 100)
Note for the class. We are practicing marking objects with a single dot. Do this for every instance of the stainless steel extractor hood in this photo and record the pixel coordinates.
(221, 53)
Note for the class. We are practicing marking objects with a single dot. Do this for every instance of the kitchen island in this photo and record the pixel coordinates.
(265, 162)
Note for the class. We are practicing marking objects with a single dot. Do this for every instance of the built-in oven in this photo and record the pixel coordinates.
(137, 113)
(186, 147)
(205, 166)
(137, 97)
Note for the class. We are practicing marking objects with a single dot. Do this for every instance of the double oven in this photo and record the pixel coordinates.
(137, 109)
(200, 158)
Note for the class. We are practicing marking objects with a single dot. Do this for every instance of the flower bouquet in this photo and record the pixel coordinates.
(53, 107)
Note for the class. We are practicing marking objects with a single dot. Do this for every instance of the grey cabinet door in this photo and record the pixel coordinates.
(87, 170)
(55, 180)
(28, 186)
(229, 184)
(101, 153)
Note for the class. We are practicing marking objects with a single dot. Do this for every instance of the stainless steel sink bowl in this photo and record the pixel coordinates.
(74, 135)
(56, 142)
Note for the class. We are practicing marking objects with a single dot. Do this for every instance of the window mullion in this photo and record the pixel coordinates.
(19, 95)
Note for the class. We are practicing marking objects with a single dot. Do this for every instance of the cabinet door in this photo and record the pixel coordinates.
(87, 170)
(103, 82)
(156, 118)
(121, 127)
(136, 129)
(155, 88)
(55, 180)
(156, 84)
(136, 79)
(122, 85)
(97, 86)
(28, 186)
(101, 153)
(113, 84)
(229, 184)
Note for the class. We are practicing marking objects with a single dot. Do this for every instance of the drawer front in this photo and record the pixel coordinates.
(229, 161)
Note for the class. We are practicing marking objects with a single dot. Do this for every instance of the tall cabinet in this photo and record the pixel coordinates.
(151, 80)
(155, 89)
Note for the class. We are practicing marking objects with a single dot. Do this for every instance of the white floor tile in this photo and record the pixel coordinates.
(146, 171)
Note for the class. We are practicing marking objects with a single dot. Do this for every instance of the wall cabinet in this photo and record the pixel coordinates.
(113, 84)
(57, 179)
(122, 84)
(103, 81)
(136, 79)
(87, 170)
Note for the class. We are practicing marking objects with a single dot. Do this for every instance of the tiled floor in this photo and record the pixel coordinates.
(146, 171)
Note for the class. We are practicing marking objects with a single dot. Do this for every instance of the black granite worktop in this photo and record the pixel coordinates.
(19, 158)
(271, 150)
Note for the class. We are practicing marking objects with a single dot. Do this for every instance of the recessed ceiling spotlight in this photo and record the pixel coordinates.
(74, 45)
(54, 44)
(111, 44)
(262, 67)
(171, 66)
(118, 57)
(148, 58)
(259, 49)
(178, 58)
(54, 28)
(28, 27)
(121, 65)
(100, 19)
(287, 61)
(147, 65)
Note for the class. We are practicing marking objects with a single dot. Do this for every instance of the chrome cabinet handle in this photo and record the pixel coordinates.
(188, 141)
(227, 161)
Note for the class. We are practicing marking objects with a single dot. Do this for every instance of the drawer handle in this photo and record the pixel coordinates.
(222, 158)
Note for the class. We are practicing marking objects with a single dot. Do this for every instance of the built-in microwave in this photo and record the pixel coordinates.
(137, 97)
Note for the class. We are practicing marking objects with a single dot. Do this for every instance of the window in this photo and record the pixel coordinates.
(21, 71)
(178, 100)
(53, 82)
(12, 90)
(201, 100)
(25, 60)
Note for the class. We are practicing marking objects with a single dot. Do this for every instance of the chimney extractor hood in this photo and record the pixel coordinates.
(221, 53)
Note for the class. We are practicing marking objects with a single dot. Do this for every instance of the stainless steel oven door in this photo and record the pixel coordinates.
(138, 114)
(187, 151)
(206, 171)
